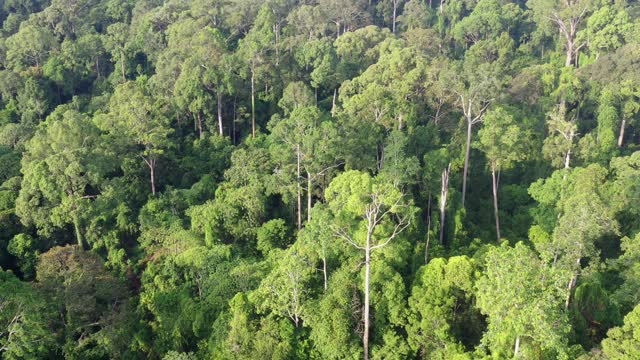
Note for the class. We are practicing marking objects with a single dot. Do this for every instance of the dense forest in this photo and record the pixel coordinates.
(319, 179)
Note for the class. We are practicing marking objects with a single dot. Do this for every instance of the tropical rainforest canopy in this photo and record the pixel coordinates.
(319, 179)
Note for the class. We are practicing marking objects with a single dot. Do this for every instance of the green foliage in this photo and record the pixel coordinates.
(622, 342)
(272, 235)
(62, 172)
(243, 179)
(440, 287)
(502, 140)
(522, 298)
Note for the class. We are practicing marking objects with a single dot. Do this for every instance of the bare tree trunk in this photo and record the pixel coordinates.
(309, 188)
(444, 191)
(381, 156)
(621, 136)
(324, 272)
(367, 274)
(333, 103)
(426, 247)
(220, 113)
(152, 170)
(517, 347)
(200, 123)
(567, 159)
(124, 77)
(299, 189)
(253, 104)
(495, 199)
(570, 52)
(395, 10)
(76, 227)
(571, 285)
(233, 123)
(467, 153)
(276, 30)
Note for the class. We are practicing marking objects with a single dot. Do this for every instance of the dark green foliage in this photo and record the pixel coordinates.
(327, 179)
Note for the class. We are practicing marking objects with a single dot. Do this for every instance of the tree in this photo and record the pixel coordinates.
(336, 320)
(585, 217)
(320, 55)
(89, 305)
(624, 342)
(630, 107)
(317, 239)
(389, 10)
(140, 121)
(606, 29)
(30, 46)
(63, 171)
(117, 43)
(311, 139)
(345, 16)
(415, 15)
(522, 298)
(398, 168)
(255, 51)
(369, 214)
(23, 333)
(582, 216)
(206, 70)
(488, 19)
(628, 266)
(441, 291)
(567, 17)
(476, 84)
(607, 121)
(503, 143)
(560, 143)
(285, 291)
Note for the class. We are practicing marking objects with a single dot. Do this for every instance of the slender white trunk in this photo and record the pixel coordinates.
(152, 171)
(124, 77)
(567, 159)
(200, 131)
(570, 52)
(517, 347)
(253, 104)
(444, 191)
(571, 285)
(299, 189)
(309, 200)
(76, 226)
(395, 10)
(333, 103)
(495, 199)
(621, 136)
(220, 113)
(367, 274)
(324, 272)
(426, 246)
(467, 153)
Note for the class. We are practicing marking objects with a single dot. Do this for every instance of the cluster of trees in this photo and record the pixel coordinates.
(325, 179)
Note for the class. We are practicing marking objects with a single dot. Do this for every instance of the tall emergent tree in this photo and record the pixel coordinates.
(502, 142)
(369, 214)
(522, 299)
(139, 122)
(63, 171)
